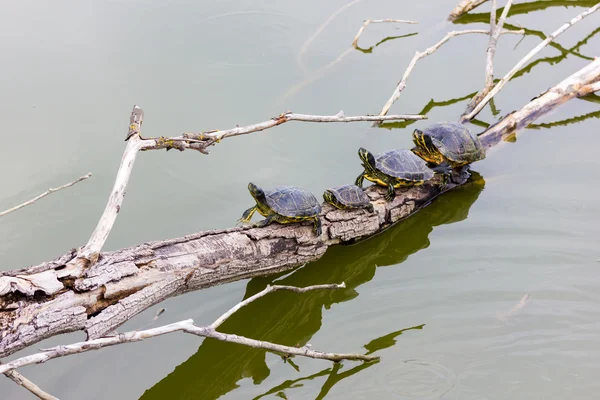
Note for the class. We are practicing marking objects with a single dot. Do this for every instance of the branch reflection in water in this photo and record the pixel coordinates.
(217, 367)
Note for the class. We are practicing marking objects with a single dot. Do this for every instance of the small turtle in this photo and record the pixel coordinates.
(284, 204)
(449, 142)
(395, 168)
(348, 196)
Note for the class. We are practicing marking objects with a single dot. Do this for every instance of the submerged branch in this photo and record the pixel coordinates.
(46, 193)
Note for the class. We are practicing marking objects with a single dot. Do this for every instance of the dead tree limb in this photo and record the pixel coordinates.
(20, 380)
(125, 282)
(419, 55)
(464, 7)
(46, 193)
(525, 59)
(188, 326)
(491, 52)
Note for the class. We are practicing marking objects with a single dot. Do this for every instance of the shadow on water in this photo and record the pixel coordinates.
(370, 49)
(292, 319)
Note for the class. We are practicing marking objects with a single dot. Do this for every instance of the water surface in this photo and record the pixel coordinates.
(490, 292)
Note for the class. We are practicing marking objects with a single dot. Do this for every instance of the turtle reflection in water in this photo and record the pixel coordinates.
(284, 204)
(396, 168)
(348, 196)
(448, 142)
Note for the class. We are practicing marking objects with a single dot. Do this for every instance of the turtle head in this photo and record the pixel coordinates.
(425, 148)
(367, 158)
(255, 191)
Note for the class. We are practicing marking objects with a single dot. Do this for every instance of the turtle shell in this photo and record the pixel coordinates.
(403, 164)
(350, 195)
(291, 201)
(456, 142)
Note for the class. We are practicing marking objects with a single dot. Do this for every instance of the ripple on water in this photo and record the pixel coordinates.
(409, 379)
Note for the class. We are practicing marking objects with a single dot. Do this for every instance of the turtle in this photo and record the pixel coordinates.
(449, 142)
(395, 168)
(284, 204)
(348, 196)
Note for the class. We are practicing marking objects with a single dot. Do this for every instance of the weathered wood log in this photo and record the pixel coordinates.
(48, 299)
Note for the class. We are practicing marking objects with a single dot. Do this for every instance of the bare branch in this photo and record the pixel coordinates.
(377, 21)
(20, 380)
(266, 291)
(91, 250)
(491, 52)
(576, 85)
(402, 84)
(464, 7)
(46, 193)
(289, 116)
(186, 326)
(525, 59)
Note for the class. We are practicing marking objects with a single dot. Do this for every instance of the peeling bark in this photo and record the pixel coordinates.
(59, 296)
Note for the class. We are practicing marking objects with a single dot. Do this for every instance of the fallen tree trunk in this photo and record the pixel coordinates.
(48, 299)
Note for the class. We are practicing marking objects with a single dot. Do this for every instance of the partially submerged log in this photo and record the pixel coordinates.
(51, 298)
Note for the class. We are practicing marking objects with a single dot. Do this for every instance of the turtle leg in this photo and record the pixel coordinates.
(317, 227)
(391, 192)
(247, 215)
(370, 208)
(265, 222)
(445, 170)
(360, 180)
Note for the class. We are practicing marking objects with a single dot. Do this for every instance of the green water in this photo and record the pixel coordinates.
(438, 297)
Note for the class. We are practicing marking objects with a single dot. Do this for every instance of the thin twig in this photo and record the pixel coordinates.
(268, 290)
(188, 326)
(285, 117)
(528, 57)
(402, 84)
(20, 380)
(464, 7)
(46, 193)
(491, 52)
(377, 21)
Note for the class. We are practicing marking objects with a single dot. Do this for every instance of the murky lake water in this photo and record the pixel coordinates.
(491, 292)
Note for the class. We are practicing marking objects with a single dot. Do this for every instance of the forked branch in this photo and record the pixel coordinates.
(419, 55)
(188, 326)
(525, 59)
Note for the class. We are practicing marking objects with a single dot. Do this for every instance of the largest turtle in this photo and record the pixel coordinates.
(396, 168)
(449, 142)
(284, 204)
